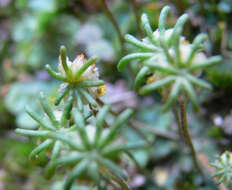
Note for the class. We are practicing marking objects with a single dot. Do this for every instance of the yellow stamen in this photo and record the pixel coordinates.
(82, 56)
(185, 42)
(52, 99)
(150, 79)
(101, 90)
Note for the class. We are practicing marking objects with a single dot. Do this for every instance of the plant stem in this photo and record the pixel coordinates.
(202, 7)
(180, 6)
(176, 115)
(137, 16)
(114, 22)
(184, 126)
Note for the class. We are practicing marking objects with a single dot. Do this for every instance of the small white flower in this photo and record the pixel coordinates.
(58, 115)
(91, 73)
(185, 50)
(167, 34)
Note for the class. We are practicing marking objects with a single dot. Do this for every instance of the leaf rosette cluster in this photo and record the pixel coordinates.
(76, 135)
(168, 62)
(223, 167)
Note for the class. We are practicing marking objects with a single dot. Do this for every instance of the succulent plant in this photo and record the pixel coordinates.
(91, 150)
(88, 142)
(168, 61)
(80, 77)
(223, 167)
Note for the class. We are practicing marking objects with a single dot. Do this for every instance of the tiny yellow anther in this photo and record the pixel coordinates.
(52, 99)
(101, 90)
(150, 79)
(185, 42)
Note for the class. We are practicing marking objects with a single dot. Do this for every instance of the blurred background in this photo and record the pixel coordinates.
(31, 32)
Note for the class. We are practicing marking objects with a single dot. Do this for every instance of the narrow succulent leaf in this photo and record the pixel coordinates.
(156, 85)
(143, 46)
(125, 115)
(88, 97)
(72, 128)
(27, 132)
(210, 62)
(84, 67)
(91, 83)
(79, 120)
(65, 160)
(166, 50)
(47, 109)
(111, 166)
(199, 82)
(63, 55)
(100, 123)
(65, 139)
(44, 145)
(178, 27)
(219, 173)
(200, 38)
(80, 105)
(190, 92)
(38, 119)
(222, 179)
(147, 28)
(76, 172)
(140, 77)
(125, 60)
(162, 19)
(216, 165)
(197, 45)
(94, 174)
(228, 180)
(88, 114)
(174, 93)
(169, 69)
(61, 95)
(176, 43)
(56, 150)
(55, 74)
(66, 111)
(52, 135)
(113, 150)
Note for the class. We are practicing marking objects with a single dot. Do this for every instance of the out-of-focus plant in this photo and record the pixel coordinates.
(221, 75)
(172, 65)
(77, 134)
(223, 167)
(21, 94)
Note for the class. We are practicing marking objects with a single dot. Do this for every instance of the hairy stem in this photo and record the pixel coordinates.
(180, 6)
(137, 16)
(184, 126)
(114, 22)
(176, 115)
(202, 7)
